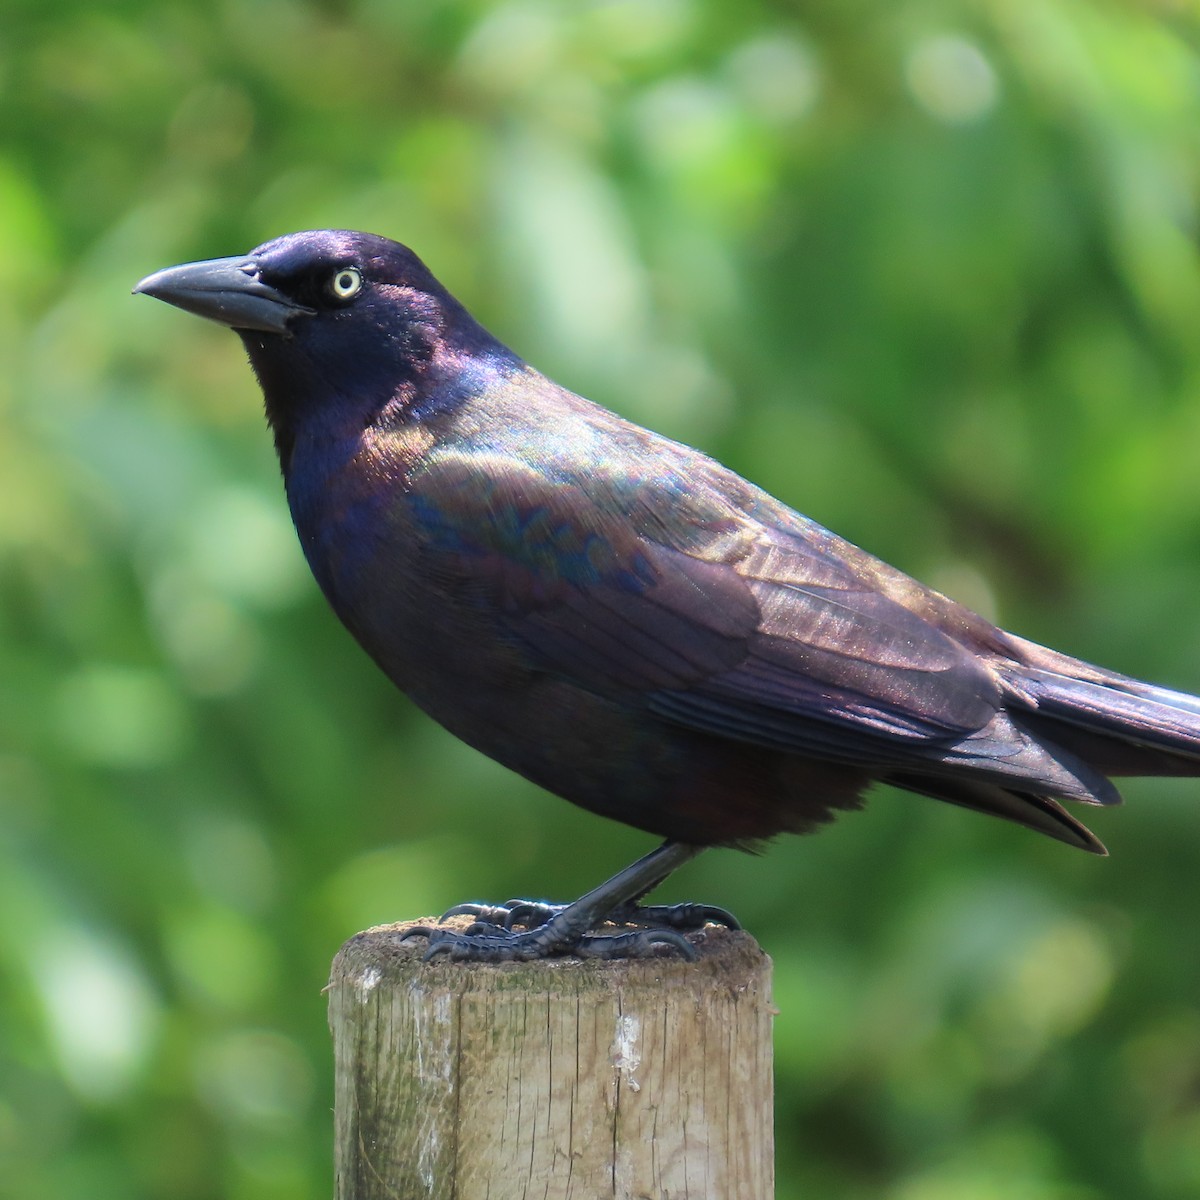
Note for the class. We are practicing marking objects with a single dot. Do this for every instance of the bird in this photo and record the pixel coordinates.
(621, 619)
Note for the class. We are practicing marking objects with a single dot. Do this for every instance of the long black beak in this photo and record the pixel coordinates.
(227, 290)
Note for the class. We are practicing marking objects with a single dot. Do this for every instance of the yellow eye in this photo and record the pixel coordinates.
(346, 283)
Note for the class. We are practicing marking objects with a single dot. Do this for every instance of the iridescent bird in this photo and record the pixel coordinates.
(623, 620)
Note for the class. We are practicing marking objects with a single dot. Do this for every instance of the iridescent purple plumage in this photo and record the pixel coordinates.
(620, 618)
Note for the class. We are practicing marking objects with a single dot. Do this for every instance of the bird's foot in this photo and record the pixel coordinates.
(522, 930)
(486, 942)
(686, 917)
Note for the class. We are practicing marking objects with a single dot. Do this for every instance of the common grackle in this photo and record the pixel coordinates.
(623, 620)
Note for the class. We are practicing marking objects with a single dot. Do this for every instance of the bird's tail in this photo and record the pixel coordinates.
(1034, 810)
(1119, 725)
(1066, 726)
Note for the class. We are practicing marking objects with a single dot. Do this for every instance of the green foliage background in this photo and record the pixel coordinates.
(926, 269)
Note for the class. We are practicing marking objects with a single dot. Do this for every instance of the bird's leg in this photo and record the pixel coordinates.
(552, 929)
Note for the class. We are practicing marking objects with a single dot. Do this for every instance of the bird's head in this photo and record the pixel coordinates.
(329, 318)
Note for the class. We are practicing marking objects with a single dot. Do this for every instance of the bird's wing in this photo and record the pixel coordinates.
(672, 592)
(827, 647)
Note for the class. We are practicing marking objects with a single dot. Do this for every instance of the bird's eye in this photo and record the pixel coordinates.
(346, 283)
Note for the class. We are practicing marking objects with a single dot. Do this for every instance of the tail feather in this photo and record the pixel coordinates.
(1120, 725)
(1039, 813)
(1008, 753)
(1146, 717)
(1065, 726)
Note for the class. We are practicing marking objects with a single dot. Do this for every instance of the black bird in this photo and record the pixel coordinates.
(623, 620)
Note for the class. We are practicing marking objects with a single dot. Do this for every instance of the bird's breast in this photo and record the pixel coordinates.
(358, 513)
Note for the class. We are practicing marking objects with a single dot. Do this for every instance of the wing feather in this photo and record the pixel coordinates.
(704, 615)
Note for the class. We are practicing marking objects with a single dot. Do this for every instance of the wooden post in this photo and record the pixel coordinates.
(646, 1080)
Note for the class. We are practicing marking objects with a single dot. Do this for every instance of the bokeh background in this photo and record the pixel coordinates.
(926, 269)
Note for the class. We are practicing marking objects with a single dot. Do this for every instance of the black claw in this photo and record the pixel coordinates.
(638, 943)
(492, 942)
(531, 913)
(550, 930)
(493, 914)
(686, 916)
(488, 944)
(426, 931)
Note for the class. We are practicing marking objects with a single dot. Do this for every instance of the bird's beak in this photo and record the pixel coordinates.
(227, 290)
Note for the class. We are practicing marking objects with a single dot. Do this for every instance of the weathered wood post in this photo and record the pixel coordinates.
(646, 1080)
